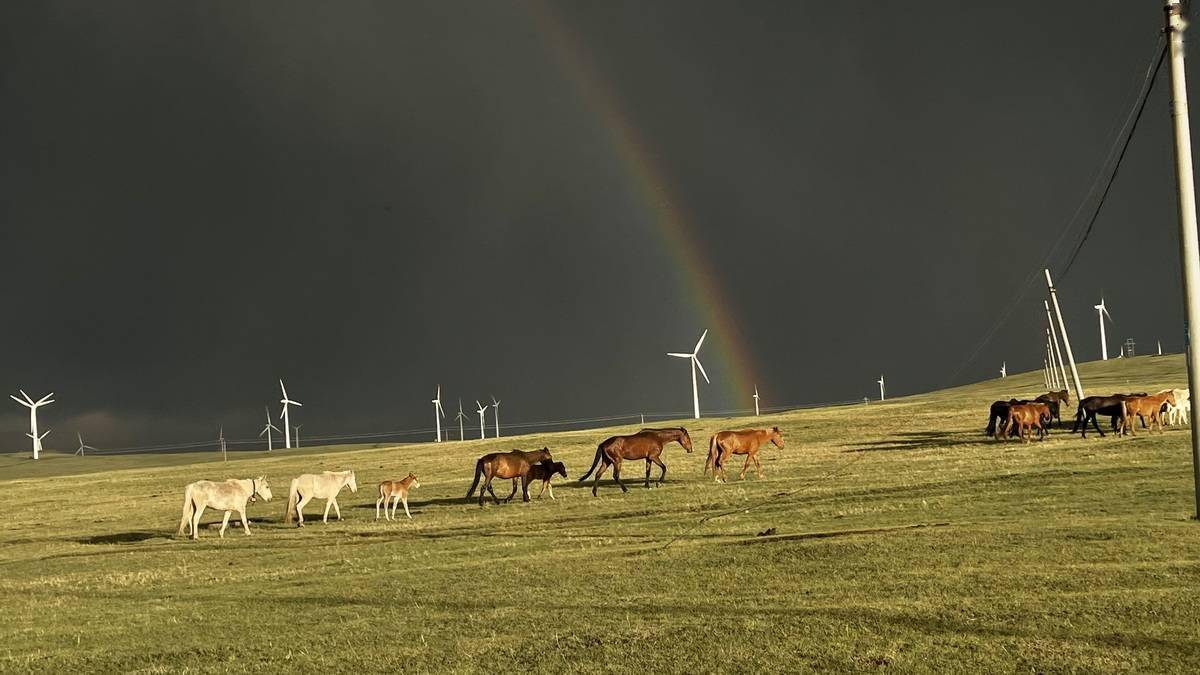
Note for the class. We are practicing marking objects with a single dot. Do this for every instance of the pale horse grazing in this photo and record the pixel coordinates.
(229, 496)
(309, 486)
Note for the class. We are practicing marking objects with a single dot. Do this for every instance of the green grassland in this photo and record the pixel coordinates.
(902, 539)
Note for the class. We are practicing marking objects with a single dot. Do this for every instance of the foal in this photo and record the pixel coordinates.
(392, 491)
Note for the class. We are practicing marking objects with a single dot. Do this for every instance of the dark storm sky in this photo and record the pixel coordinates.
(369, 199)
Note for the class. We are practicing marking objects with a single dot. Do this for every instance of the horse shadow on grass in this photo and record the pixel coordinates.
(918, 440)
(123, 537)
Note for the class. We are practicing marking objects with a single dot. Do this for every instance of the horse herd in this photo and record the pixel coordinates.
(525, 467)
(1022, 418)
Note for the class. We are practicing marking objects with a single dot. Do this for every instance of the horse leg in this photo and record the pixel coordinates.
(225, 523)
(617, 475)
(648, 473)
(200, 506)
(304, 499)
(663, 472)
(549, 487)
(599, 472)
(405, 500)
(328, 503)
(245, 523)
(742, 475)
(543, 490)
(513, 493)
(757, 465)
(1095, 424)
(491, 491)
(525, 487)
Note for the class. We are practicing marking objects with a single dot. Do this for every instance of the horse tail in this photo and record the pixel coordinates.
(710, 461)
(478, 471)
(991, 427)
(595, 462)
(188, 509)
(293, 498)
(1079, 414)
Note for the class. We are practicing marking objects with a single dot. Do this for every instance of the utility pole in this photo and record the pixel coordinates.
(1054, 377)
(1056, 348)
(1189, 247)
(1062, 328)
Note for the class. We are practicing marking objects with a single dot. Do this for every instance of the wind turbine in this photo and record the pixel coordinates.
(1004, 369)
(82, 446)
(481, 411)
(695, 364)
(268, 429)
(438, 414)
(287, 429)
(496, 407)
(460, 417)
(756, 400)
(33, 428)
(880, 381)
(1102, 312)
(297, 428)
(221, 440)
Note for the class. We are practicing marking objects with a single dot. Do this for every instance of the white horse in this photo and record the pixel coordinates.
(324, 485)
(1181, 412)
(230, 495)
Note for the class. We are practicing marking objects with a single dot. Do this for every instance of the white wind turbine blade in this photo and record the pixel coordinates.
(701, 367)
(677, 354)
(46, 400)
(262, 433)
(45, 434)
(283, 388)
(700, 341)
(1105, 310)
(481, 408)
(27, 398)
(439, 408)
(273, 428)
(495, 403)
(27, 405)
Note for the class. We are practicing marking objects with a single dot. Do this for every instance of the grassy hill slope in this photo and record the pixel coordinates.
(901, 537)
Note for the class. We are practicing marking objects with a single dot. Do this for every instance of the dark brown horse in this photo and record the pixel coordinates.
(513, 464)
(646, 444)
(1056, 399)
(724, 444)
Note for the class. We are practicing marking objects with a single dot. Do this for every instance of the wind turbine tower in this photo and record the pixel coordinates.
(695, 364)
(82, 445)
(460, 417)
(880, 381)
(33, 426)
(287, 420)
(481, 411)
(756, 400)
(496, 408)
(1102, 312)
(438, 414)
(268, 429)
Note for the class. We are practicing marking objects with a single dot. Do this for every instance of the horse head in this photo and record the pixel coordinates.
(560, 469)
(352, 483)
(776, 437)
(684, 439)
(412, 480)
(262, 489)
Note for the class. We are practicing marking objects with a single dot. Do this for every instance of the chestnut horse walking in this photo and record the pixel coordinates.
(513, 464)
(1025, 417)
(726, 443)
(1149, 408)
(646, 444)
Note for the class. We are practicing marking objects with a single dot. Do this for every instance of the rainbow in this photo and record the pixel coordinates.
(706, 298)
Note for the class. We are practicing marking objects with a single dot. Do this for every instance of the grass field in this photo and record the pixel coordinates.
(903, 539)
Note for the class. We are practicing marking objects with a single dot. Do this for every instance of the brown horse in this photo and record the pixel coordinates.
(544, 471)
(1026, 416)
(646, 444)
(1146, 407)
(392, 491)
(513, 464)
(726, 443)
